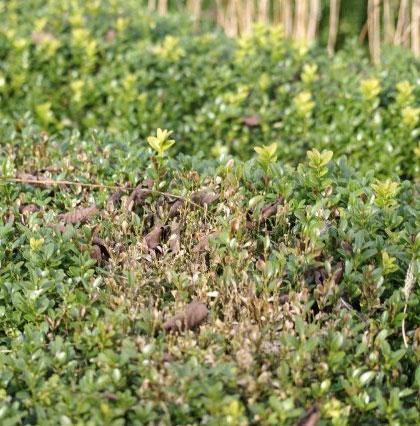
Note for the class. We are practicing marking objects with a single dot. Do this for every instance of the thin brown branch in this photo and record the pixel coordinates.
(51, 182)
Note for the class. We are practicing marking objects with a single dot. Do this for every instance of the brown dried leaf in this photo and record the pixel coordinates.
(167, 357)
(96, 241)
(347, 247)
(195, 313)
(175, 209)
(41, 37)
(252, 120)
(154, 237)
(175, 236)
(58, 227)
(27, 209)
(311, 418)
(96, 254)
(202, 245)
(284, 298)
(338, 272)
(114, 199)
(235, 225)
(110, 36)
(80, 215)
(271, 209)
(139, 194)
(204, 197)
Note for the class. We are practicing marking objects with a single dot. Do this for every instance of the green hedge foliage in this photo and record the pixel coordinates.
(110, 65)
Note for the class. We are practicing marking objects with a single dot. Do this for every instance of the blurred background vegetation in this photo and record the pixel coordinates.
(330, 22)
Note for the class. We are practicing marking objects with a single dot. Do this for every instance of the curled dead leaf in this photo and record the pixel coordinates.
(98, 242)
(203, 244)
(114, 199)
(138, 196)
(235, 225)
(204, 197)
(252, 120)
(271, 209)
(96, 254)
(80, 215)
(311, 418)
(175, 236)
(110, 36)
(194, 314)
(154, 237)
(347, 247)
(338, 272)
(41, 37)
(176, 208)
(26, 209)
(284, 298)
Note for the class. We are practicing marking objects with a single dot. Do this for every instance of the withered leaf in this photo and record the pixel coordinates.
(204, 197)
(30, 208)
(194, 314)
(96, 254)
(110, 36)
(41, 37)
(284, 298)
(80, 215)
(271, 209)
(96, 241)
(338, 272)
(175, 236)
(175, 209)
(311, 418)
(347, 247)
(202, 245)
(167, 357)
(154, 237)
(252, 120)
(114, 199)
(140, 193)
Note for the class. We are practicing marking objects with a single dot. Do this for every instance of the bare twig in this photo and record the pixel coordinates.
(50, 182)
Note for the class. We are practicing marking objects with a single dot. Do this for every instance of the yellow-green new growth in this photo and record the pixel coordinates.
(266, 154)
(385, 192)
(161, 142)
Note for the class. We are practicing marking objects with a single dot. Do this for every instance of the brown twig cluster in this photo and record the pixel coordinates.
(395, 22)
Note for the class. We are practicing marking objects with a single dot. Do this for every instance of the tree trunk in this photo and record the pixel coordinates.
(333, 25)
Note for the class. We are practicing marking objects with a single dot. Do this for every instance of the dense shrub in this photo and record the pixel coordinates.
(111, 65)
(303, 270)
(285, 200)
